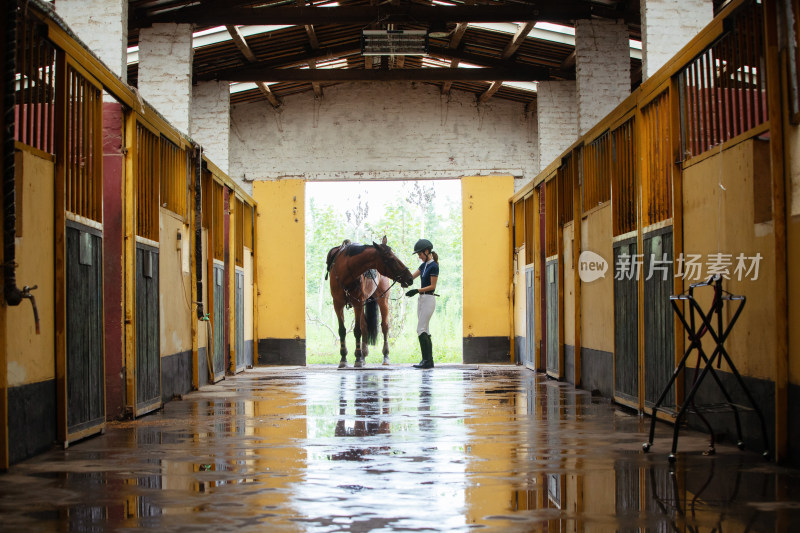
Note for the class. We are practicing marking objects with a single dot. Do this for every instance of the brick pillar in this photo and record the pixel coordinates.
(667, 25)
(603, 69)
(165, 71)
(103, 26)
(556, 108)
(211, 120)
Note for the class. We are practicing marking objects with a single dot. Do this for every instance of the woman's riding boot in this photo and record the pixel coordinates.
(427, 352)
(422, 349)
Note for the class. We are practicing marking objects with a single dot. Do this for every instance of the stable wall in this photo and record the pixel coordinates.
(280, 232)
(725, 195)
(485, 238)
(597, 306)
(176, 311)
(29, 357)
(398, 130)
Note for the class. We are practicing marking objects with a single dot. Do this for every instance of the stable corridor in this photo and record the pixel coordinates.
(459, 447)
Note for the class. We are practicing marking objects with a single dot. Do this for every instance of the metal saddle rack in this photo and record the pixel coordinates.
(700, 323)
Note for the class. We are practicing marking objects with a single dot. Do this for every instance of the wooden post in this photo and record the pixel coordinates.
(231, 276)
(771, 58)
(637, 178)
(512, 292)
(577, 223)
(191, 219)
(129, 247)
(60, 132)
(255, 282)
(677, 218)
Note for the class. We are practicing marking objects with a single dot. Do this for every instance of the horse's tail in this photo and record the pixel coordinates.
(371, 317)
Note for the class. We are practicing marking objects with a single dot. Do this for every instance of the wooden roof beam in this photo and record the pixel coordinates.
(493, 88)
(314, 42)
(519, 73)
(265, 90)
(564, 11)
(247, 52)
(517, 40)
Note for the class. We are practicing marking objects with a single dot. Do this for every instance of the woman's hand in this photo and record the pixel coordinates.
(412, 292)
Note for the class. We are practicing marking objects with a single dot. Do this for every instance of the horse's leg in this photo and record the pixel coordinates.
(359, 311)
(339, 308)
(364, 344)
(383, 303)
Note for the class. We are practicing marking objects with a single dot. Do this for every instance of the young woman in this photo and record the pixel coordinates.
(428, 273)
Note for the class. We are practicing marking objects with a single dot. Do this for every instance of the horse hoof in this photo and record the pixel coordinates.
(386, 360)
(342, 364)
(359, 363)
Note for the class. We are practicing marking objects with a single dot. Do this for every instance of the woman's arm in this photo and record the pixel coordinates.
(416, 274)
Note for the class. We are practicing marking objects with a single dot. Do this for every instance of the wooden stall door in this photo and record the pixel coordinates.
(529, 356)
(659, 321)
(239, 341)
(148, 357)
(218, 323)
(553, 359)
(84, 317)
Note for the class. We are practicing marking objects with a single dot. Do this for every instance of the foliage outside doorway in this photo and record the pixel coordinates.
(364, 212)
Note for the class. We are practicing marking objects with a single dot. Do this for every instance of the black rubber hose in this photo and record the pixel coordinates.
(12, 293)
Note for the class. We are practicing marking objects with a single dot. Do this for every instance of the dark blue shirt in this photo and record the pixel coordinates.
(426, 271)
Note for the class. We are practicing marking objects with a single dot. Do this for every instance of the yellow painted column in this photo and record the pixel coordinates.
(280, 271)
(485, 238)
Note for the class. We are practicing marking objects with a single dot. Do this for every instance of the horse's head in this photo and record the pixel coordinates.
(394, 268)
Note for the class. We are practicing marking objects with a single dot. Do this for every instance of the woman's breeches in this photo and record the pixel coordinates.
(425, 306)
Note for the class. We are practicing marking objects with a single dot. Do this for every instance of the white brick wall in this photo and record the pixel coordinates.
(603, 69)
(211, 120)
(103, 26)
(394, 130)
(557, 109)
(667, 25)
(165, 71)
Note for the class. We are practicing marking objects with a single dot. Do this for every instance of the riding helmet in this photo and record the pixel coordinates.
(422, 245)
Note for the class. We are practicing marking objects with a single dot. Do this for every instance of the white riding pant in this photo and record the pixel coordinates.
(425, 306)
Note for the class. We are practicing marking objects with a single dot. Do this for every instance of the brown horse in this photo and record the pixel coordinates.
(361, 277)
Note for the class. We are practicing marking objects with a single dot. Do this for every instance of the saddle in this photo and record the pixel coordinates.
(332, 256)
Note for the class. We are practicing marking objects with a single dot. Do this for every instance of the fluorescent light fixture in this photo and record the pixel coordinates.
(394, 42)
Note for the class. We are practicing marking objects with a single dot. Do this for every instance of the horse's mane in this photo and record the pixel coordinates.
(355, 249)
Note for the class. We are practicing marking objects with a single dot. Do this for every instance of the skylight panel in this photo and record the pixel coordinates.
(215, 35)
(246, 86)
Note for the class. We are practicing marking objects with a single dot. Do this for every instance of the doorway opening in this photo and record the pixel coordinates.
(403, 211)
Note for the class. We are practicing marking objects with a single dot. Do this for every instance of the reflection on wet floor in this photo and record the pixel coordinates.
(497, 448)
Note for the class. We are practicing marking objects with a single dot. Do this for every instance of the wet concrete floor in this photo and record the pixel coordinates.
(494, 448)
